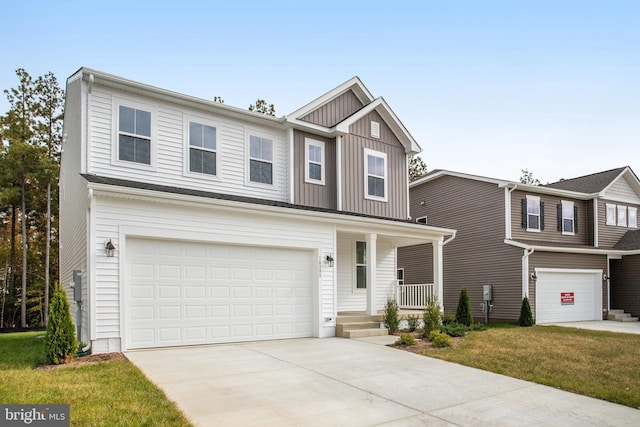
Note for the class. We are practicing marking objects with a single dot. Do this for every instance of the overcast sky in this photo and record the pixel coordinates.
(485, 87)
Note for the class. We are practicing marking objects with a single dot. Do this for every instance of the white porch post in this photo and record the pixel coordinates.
(437, 271)
(371, 249)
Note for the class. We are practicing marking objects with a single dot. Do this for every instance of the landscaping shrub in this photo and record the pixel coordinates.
(390, 317)
(431, 317)
(406, 339)
(440, 340)
(526, 317)
(454, 329)
(477, 327)
(463, 313)
(413, 322)
(448, 318)
(60, 339)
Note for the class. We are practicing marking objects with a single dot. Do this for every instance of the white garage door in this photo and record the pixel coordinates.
(184, 293)
(568, 296)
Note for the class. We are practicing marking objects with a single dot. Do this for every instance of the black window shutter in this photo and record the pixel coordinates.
(541, 215)
(524, 213)
(575, 219)
(559, 216)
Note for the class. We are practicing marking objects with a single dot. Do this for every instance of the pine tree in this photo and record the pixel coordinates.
(463, 313)
(526, 316)
(60, 340)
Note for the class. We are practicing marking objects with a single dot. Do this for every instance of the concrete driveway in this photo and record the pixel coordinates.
(342, 382)
(603, 325)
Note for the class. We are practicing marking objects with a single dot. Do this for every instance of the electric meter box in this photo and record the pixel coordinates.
(486, 293)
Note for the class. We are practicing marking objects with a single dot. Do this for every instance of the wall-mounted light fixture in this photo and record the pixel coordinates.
(329, 260)
(534, 276)
(605, 277)
(110, 248)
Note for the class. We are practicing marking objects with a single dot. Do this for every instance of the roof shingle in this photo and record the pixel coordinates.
(593, 183)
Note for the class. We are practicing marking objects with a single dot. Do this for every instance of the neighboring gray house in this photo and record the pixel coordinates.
(185, 221)
(571, 247)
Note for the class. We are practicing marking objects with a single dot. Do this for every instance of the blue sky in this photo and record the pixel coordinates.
(486, 87)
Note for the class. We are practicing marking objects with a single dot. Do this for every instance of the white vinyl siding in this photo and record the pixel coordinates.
(171, 155)
(118, 219)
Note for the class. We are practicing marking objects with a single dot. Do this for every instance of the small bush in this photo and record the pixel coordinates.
(406, 339)
(431, 317)
(390, 316)
(440, 340)
(413, 322)
(60, 339)
(526, 317)
(477, 327)
(454, 330)
(448, 318)
(463, 313)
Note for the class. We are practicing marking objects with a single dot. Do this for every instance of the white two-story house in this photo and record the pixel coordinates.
(185, 221)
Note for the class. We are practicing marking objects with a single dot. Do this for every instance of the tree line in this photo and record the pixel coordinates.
(31, 135)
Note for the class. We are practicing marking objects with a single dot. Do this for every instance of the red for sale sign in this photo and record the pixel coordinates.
(567, 298)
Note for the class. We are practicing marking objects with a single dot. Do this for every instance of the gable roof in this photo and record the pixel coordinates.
(593, 183)
(369, 104)
(630, 241)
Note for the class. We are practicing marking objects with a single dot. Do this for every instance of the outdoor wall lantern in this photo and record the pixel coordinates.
(534, 276)
(329, 260)
(605, 277)
(110, 248)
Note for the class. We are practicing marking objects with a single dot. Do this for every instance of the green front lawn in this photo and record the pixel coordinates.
(604, 365)
(113, 393)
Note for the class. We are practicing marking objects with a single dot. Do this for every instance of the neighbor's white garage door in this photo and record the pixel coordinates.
(568, 296)
(184, 293)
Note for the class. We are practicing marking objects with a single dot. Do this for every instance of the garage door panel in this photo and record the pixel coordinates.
(583, 296)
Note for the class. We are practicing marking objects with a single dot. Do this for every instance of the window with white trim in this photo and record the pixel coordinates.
(134, 135)
(632, 217)
(568, 217)
(400, 276)
(622, 216)
(611, 214)
(534, 216)
(260, 160)
(202, 148)
(361, 265)
(375, 175)
(314, 161)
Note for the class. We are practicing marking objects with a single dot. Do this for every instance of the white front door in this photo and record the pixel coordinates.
(184, 293)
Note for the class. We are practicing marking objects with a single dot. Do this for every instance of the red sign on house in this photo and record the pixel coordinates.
(567, 298)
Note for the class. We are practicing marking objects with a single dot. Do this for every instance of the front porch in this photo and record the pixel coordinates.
(359, 324)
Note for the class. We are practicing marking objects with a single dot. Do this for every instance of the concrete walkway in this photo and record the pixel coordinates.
(342, 382)
(603, 325)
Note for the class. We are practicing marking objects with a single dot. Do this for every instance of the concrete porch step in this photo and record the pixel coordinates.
(351, 326)
(620, 316)
(351, 318)
(363, 333)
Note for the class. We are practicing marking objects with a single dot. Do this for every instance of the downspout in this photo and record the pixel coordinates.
(87, 349)
(88, 124)
(339, 172)
(525, 271)
(595, 222)
(291, 166)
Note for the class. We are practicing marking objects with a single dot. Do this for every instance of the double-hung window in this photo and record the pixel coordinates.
(202, 148)
(567, 217)
(632, 217)
(611, 214)
(134, 135)
(260, 160)
(314, 161)
(375, 175)
(361, 265)
(622, 216)
(533, 213)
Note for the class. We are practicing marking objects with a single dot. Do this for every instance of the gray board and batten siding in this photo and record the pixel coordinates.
(310, 194)
(353, 145)
(625, 284)
(335, 111)
(478, 256)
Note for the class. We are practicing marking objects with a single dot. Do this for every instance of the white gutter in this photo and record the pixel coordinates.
(595, 222)
(560, 249)
(525, 272)
(450, 239)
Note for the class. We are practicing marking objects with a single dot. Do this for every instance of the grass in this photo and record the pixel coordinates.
(105, 394)
(604, 365)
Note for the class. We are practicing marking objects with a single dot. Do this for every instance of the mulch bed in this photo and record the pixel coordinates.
(421, 344)
(92, 359)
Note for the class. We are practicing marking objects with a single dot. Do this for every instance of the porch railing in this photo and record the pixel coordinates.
(414, 296)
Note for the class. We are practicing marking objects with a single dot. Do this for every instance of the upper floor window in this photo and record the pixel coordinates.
(567, 217)
(202, 148)
(314, 161)
(632, 217)
(611, 214)
(622, 216)
(532, 213)
(260, 160)
(375, 175)
(134, 135)
(361, 265)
